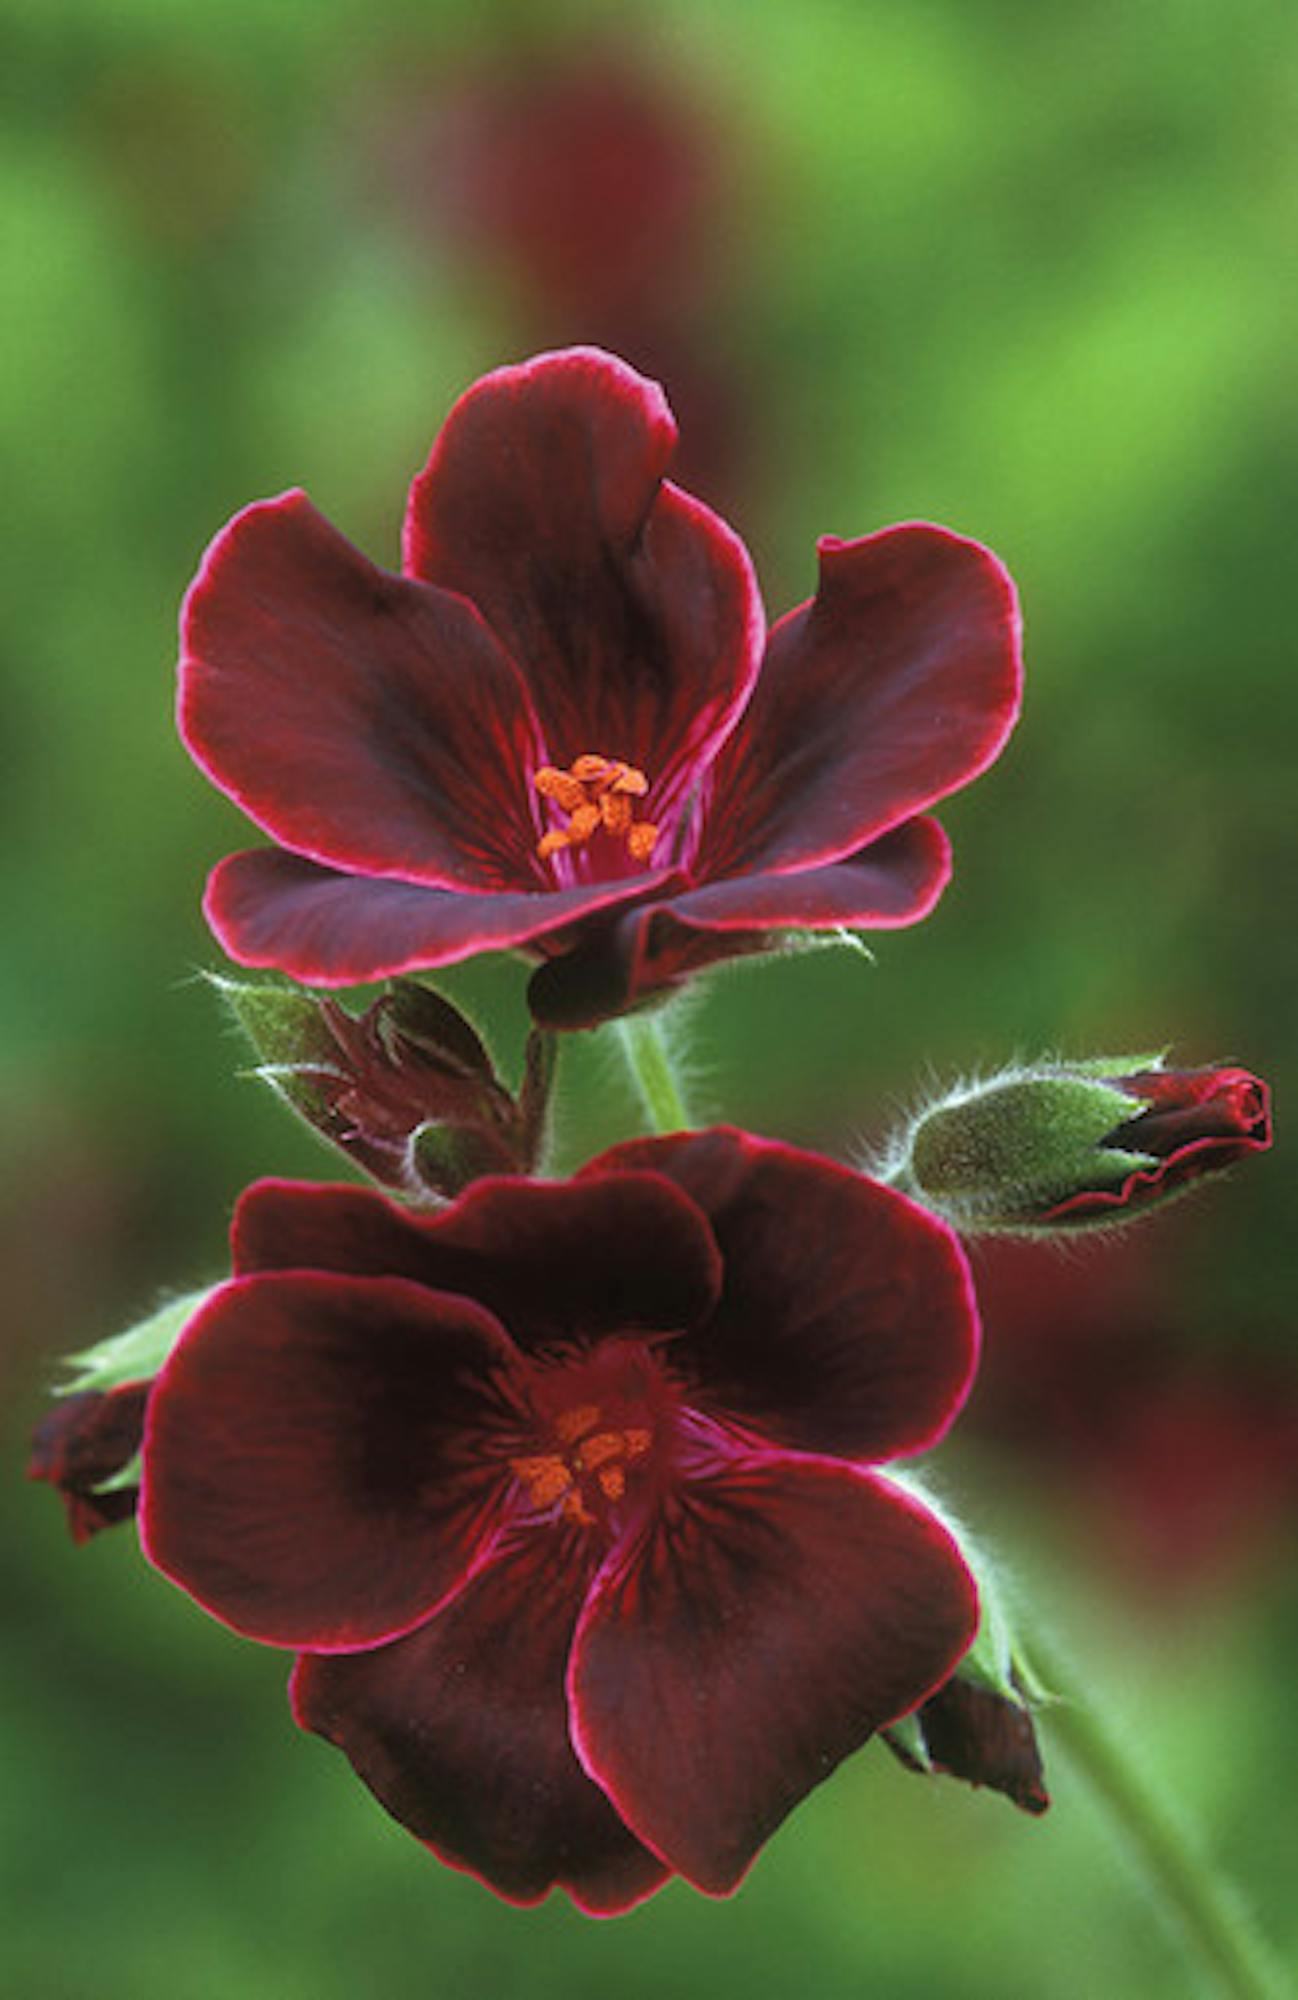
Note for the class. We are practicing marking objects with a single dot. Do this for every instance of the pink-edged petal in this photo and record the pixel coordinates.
(896, 684)
(630, 607)
(267, 907)
(461, 1731)
(894, 881)
(318, 1455)
(846, 1321)
(556, 1261)
(360, 718)
(761, 1631)
(654, 946)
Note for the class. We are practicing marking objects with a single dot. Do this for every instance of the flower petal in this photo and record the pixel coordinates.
(312, 1471)
(554, 1260)
(893, 882)
(761, 1632)
(461, 1731)
(271, 908)
(896, 684)
(362, 719)
(847, 1321)
(630, 607)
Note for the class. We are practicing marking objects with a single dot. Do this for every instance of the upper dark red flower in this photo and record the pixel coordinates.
(551, 731)
(566, 1495)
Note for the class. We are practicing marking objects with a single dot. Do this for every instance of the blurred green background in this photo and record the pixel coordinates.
(1029, 272)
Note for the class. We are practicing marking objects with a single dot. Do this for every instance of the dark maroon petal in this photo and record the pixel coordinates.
(461, 1731)
(897, 683)
(271, 908)
(645, 950)
(630, 607)
(361, 719)
(894, 881)
(554, 1260)
(847, 1320)
(83, 1440)
(784, 1610)
(318, 1455)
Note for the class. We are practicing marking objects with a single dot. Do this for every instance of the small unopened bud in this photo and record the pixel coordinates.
(87, 1446)
(1061, 1146)
(406, 1089)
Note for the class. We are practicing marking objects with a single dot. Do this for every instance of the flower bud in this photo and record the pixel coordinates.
(83, 1446)
(406, 1089)
(969, 1731)
(978, 1725)
(1064, 1146)
(87, 1447)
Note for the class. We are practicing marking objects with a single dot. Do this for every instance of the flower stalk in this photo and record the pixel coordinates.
(644, 1047)
(1198, 1905)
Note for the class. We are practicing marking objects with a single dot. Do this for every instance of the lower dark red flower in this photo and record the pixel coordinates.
(566, 1495)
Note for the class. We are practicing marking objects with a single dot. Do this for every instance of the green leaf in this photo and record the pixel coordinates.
(137, 1354)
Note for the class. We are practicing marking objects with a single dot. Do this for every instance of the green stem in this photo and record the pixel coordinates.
(652, 1071)
(1210, 1919)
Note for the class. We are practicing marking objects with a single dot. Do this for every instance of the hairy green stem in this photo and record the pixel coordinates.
(1211, 1921)
(653, 1072)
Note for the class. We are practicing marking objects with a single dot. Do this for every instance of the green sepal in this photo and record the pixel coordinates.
(129, 1474)
(282, 1022)
(1015, 1139)
(1120, 1065)
(442, 1159)
(133, 1356)
(907, 1736)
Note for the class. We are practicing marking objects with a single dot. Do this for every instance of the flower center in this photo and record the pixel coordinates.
(587, 1473)
(596, 792)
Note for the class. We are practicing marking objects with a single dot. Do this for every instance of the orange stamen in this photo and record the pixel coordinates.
(595, 792)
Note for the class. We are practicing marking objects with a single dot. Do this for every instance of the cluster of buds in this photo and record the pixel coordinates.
(407, 1089)
(1063, 1146)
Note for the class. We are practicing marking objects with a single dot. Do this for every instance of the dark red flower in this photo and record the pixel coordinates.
(566, 1494)
(1190, 1122)
(80, 1443)
(551, 734)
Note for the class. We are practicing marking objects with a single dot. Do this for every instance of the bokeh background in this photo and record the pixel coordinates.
(1027, 271)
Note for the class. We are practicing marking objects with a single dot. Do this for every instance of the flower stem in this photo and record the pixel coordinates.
(653, 1073)
(1205, 1911)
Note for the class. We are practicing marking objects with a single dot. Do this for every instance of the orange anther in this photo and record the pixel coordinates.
(641, 840)
(583, 824)
(634, 783)
(612, 1482)
(546, 1478)
(637, 1442)
(615, 810)
(598, 1450)
(572, 1424)
(592, 770)
(567, 791)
